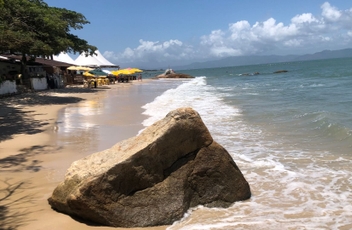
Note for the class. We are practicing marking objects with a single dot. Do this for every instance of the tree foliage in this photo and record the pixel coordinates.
(31, 27)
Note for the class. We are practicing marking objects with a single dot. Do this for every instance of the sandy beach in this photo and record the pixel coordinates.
(32, 159)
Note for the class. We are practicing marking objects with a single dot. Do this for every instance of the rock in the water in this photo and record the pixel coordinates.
(174, 75)
(281, 71)
(170, 73)
(154, 178)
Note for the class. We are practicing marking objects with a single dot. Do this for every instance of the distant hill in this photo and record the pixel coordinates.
(326, 54)
(256, 59)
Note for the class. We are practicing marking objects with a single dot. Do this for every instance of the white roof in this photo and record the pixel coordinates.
(64, 57)
(95, 60)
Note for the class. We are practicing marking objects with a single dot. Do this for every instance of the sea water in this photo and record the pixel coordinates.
(290, 133)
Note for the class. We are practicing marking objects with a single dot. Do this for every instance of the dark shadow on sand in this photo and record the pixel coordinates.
(15, 121)
(86, 222)
(23, 161)
(13, 205)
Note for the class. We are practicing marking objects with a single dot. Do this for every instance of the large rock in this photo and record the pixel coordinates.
(153, 178)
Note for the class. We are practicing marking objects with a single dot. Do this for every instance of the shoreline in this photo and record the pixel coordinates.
(32, 163)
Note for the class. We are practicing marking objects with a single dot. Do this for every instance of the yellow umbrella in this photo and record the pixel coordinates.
(132, 70)
(116, 72)
(126, 71)
(79, 68)
(86, 68)
(121, 71)
(137, 70)
(73, 68)
(87, 74)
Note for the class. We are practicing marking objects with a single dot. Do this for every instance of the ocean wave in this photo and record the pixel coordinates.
(196, 94)
(325, 125)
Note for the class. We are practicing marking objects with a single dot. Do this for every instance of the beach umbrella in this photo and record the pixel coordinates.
(97, 72)
(131, 71)
(137, 70)
(118, 72)
(86, 68)
(87, 74)
(73, 68)
(107, 71)
(114, 72)
(79, 68)
(127, 71)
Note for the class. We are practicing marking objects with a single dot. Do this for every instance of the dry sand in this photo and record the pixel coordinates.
(31, 161)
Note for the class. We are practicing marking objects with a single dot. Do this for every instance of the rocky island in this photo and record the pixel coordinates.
(169, 73)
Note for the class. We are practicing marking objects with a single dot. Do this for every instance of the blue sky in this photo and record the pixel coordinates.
(160, 33)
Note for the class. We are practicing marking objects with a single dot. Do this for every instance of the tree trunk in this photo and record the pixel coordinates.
(24, 72)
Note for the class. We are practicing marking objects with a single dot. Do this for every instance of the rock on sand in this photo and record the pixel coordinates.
(154, 178)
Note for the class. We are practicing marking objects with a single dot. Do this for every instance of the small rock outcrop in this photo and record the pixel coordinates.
(175, 75)
(154, 178)
(281, 71)
(169, 73)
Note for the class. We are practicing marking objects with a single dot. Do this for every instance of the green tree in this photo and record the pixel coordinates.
(32, 28)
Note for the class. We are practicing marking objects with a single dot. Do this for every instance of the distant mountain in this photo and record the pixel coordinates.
(326, 54)
(256, 59)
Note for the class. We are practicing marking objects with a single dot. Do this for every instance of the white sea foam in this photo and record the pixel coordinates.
(195, 94)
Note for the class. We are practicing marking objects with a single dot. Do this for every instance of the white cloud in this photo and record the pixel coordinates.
(332, 27)
(153, 52)
(304, 18)
(215, 38)
(330, 13)
(293, 42)
(304, 30)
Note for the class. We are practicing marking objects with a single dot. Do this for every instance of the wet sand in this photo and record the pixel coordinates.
(36, 148)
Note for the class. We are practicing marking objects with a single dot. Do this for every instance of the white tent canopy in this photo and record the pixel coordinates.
(94, 61)
(101, 58)
(84, 60)
(64, 57)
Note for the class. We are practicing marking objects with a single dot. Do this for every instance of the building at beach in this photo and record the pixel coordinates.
(42, 70)
(38, 71)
